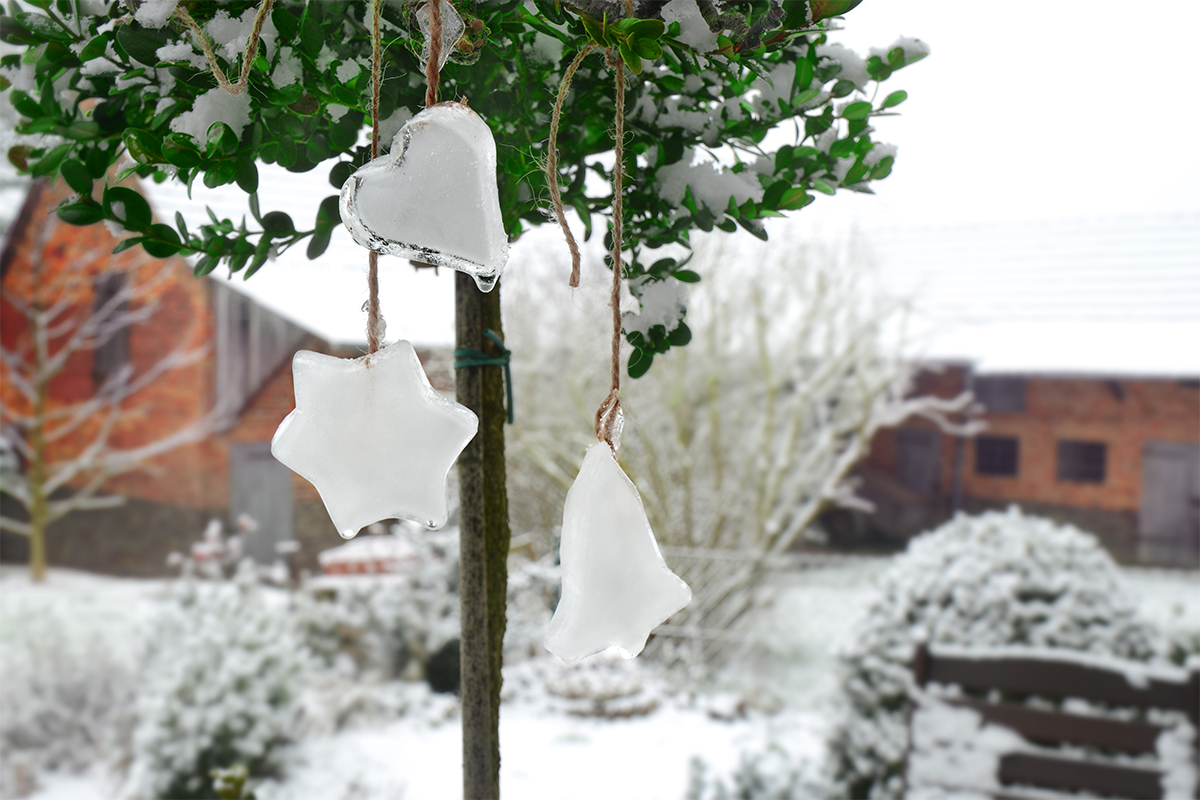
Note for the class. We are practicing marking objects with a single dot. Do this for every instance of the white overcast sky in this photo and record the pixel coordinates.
(1030, 111)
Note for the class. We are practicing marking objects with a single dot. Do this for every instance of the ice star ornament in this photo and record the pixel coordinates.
(374, 438)
(433, 198)
(616, 588)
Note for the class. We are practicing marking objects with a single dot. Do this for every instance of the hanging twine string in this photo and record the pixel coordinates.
(607, 415)
(248, 57)
(552, 162)
(433, 67)
(375, 324)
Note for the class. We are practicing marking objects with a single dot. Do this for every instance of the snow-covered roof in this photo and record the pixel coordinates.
(1102, 296)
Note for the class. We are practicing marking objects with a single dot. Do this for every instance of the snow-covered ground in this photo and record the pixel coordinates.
(786, 676)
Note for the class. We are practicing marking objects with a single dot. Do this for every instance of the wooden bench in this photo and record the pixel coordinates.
(995, 683)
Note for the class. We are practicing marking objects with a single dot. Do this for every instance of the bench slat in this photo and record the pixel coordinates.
(1055, 679)
(1043, 726)
(1072, 775)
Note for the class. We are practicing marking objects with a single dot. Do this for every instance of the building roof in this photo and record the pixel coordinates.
(1105, 296)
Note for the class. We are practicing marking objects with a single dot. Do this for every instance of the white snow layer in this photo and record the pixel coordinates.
(712, 185)
(854, 66)
(912, 47)
(662, 303)
(693, 30)
(215, 105)
(155, 13)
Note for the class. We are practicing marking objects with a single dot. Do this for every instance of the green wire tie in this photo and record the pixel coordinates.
(466, 357)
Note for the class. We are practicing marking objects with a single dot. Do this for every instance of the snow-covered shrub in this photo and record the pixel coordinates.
(772, 774)
(995, 579)
(61, 709)
(533, 592)
(387, 624)
(221, 672)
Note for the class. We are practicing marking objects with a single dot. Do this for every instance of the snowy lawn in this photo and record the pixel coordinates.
(788, 667)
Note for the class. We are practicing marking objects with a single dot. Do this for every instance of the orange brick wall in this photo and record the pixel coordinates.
(1123, 414)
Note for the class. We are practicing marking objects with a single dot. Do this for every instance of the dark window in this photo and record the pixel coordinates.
(1000, 395)
(919, 460)
(1082, 461)
(996, 455)
(112, 346)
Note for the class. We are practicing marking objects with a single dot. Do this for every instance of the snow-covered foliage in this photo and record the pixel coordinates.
(221, 669)
(387, 624)
(773, 774)
(994, 579)
(63, 708)
(533, 591)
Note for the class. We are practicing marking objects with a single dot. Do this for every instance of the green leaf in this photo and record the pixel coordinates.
(856, 174)
(247, 173)
(141, 44)
(278, 224)
(311, 37)
(646, 49)
(857, 110)
(842, 147)
(843, 88)
(169, 245)
(795, 198)
(318, 244)
(804, 74)
(687, 276)
(822, 186)
(221, 141)
(594, 31)
(647, 28)
(128, 207)
(639, 362)
(48, 164)
(125, 244)
(883, 168)
(285, 22)
(895, 57)
(340, 172)
(894, 99)
(806, 96)
(80, 213)
(76, 175)
(261, 253)
(254, 212)
(631, 59)
(143, 146)
(25, 105)
(204, 265)
(329, 213)
(680, 336)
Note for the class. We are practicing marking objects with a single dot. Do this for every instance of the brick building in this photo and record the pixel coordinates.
(1081, 344)
(241, 384)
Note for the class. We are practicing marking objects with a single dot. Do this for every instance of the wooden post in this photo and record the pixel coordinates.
(484, 541)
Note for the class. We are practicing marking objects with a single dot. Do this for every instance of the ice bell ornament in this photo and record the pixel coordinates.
(616, 588)
(374, 438)
(433, 198)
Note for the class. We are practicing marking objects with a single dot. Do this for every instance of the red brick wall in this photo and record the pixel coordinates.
(1123, 414)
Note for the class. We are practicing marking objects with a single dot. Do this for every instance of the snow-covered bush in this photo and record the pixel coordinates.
(221, 673)
(994, 579)
(533, 592)
(62, 709)
(773, 774)
(387, 624)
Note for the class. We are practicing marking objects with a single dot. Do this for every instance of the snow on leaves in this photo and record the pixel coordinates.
(373, 436)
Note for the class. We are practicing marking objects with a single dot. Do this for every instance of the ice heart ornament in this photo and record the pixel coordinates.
(433, 198)
(374, 438)
(616, 588)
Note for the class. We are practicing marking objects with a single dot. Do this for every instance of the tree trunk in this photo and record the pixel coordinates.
(484, 540)
(38, 502)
